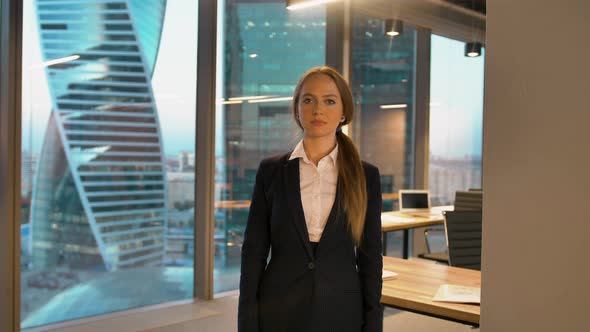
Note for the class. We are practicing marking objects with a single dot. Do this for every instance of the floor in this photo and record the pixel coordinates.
(220, 315)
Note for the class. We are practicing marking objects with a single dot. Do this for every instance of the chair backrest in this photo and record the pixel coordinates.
(463, 235)
(468, 200)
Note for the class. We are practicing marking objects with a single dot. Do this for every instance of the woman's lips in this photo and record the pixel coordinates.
(318, 123)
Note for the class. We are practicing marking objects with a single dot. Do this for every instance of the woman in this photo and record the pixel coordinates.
(318, 210)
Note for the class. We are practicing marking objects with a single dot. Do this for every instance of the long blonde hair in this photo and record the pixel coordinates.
(351, 177)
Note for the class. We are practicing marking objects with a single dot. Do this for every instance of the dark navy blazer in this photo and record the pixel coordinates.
(337, 289)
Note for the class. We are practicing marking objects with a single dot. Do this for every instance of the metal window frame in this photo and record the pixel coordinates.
(422, 110)
(205, 151)
(336, 30)
(421, 124)
(10, 136)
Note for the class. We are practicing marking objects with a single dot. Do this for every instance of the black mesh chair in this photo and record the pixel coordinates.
(463, 236)
(470, 200)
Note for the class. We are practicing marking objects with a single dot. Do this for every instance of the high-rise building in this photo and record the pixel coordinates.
(186, 161)
(28, 167)
(448, 175)
(99, 198)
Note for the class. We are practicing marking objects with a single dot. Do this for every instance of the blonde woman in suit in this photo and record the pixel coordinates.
(316, 213)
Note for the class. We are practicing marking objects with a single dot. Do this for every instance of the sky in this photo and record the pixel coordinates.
(456, 88)
(456, 100)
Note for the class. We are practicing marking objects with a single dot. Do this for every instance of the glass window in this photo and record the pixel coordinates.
(383, 79)
(383, 86)
(108, 156)
(456, 119)
(263, 50)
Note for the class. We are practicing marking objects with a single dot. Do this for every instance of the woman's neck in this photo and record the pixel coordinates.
(318, 148)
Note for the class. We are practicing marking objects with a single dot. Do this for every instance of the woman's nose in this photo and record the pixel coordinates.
(317, 109)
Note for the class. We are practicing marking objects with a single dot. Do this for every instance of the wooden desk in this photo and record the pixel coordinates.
(418, 281)
(410, 221)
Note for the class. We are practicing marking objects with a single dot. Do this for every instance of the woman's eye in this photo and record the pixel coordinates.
(307, 100)
(330, 102)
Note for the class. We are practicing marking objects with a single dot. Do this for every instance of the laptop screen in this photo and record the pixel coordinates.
(415, 200)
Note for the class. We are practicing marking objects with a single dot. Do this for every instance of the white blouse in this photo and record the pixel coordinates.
(317, 185)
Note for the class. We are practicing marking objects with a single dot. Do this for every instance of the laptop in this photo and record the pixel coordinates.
(415, 202)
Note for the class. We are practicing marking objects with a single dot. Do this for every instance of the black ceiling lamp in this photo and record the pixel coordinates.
(393, 27)
(472, 49)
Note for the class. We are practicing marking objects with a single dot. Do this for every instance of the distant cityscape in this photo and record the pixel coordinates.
(446, 177)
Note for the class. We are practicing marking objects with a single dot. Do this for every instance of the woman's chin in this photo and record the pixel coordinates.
(319, 134)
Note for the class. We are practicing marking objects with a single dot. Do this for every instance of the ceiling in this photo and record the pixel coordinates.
(477, 5)
(448, 18)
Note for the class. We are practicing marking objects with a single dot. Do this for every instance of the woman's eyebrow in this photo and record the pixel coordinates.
(328, 95)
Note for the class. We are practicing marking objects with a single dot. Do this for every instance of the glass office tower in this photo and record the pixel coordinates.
(265, 49)
(99, 196)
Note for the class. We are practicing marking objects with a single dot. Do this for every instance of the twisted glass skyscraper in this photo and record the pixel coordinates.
(99, 197)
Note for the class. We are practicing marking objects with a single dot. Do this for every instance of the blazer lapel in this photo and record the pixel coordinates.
(291, 176)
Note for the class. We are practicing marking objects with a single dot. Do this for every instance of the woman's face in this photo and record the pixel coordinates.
(320, 106)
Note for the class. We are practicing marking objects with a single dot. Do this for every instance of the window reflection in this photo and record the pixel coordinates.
(265, 50)
(383, 87)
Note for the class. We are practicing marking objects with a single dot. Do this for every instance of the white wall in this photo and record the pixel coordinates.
(536, 236)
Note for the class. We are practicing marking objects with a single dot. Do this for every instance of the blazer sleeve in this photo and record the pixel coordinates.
(370, 259)
(255, 250)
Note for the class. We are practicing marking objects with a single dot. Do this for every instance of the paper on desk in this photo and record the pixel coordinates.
(458, 294)
(385, 217)
(387, 275)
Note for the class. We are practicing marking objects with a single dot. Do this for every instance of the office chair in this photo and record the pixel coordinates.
(438, 256)
(470, 200)
(463, 237)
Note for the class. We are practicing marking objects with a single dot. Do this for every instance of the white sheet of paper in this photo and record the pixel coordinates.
(458, 294)
(389, 275)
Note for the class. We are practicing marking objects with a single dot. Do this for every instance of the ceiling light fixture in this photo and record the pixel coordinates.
(473, 49)
(393, 27)
(249, 97)
(268, 100)
(52, 62)
(230, 102)
(300, 4)
(393, 106)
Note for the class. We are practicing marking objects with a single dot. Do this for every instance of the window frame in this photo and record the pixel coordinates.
(10, 101)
